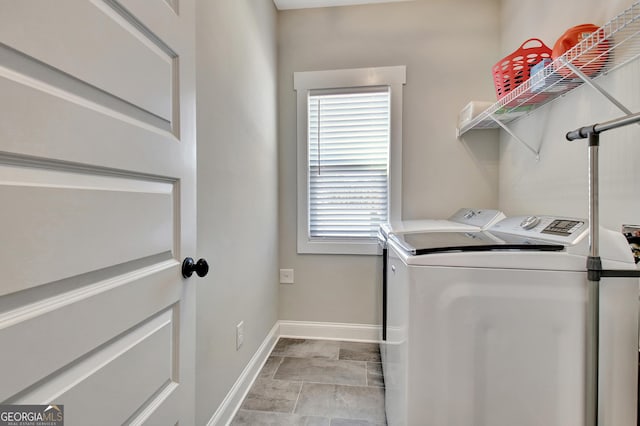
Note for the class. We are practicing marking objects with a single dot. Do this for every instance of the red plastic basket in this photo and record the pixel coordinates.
(513, 70)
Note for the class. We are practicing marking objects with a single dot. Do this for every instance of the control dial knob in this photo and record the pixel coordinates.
(529, 222)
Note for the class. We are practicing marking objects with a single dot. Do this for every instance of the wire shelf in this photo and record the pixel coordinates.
(613, 45)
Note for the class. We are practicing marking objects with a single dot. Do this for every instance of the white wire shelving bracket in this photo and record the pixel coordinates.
(515, 136)
(612, 46)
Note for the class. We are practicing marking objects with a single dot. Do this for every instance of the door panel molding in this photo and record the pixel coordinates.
(90, 224)
(160, 409)
(31, 72)
(72, 325)
(143, 354)
(134, 64)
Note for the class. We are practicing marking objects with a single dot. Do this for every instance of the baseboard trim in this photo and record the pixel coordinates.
(330, 331)
(231, 403)
(292, 329)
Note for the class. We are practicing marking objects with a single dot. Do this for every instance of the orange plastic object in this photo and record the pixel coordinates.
(515, 69)
(590, 57)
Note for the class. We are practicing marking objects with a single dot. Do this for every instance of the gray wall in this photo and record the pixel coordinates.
(557, 184)
(237, 189)
(448, 48)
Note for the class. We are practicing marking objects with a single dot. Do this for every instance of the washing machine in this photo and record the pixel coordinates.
(488, 328)
(464, 219)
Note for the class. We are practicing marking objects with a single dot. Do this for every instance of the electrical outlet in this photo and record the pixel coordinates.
(286, 276)
(239, 334)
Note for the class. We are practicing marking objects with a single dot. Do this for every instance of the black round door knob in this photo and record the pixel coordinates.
(189, 266)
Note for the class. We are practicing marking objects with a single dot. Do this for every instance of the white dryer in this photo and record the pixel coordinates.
(488, 328)
(463, 220)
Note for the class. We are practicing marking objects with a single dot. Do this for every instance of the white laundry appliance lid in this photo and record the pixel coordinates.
(442, 242)
(464, 219)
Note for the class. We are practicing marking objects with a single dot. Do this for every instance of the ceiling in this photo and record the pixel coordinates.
(304, 4)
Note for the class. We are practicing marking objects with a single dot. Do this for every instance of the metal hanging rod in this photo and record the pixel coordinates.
(584, 132)
(594, 264)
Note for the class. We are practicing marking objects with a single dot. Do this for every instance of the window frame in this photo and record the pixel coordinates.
(393, 77)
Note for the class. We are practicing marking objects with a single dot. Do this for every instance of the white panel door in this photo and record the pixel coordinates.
(97, 193)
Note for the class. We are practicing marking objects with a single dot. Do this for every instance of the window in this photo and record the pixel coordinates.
(349, 157)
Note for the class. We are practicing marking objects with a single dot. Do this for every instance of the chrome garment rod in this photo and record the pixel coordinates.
(584, 132)
(594, 264)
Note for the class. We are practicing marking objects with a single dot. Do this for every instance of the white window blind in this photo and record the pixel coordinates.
(348, 146)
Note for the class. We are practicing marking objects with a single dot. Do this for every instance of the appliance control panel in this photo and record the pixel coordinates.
(477, 217)
(557, 229)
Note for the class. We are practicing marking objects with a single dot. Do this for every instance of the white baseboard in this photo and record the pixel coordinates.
(231, 403)
(330, 330)
(292, 329)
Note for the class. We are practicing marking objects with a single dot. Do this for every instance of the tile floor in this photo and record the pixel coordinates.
(317, 383)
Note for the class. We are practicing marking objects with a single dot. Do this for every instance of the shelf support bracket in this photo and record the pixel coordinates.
(516, 137)
(589, 81)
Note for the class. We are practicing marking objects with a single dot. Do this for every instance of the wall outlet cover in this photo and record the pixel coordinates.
(286, 276)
